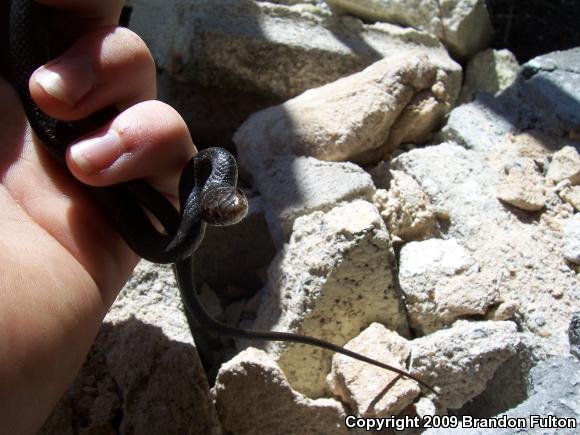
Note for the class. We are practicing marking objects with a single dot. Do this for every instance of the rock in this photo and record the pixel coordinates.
(406, 209)
(295, 186)
(574, 334)
(387, 394)
(505, 310)
(549, 86)
(441, 283)
(462, 25)
(565, 165)
(461, 360)
(252, 396)
(267, 49)
(523, 186)
(361, 117)
(571, 194)
(555, 390)
(333, 279)
(572, 240)
(143, 374)
(480, 125)
(425, 406)
(519, 256)
(523, 196)
(489, 70)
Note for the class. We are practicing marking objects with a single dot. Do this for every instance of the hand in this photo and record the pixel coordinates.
(62, 262)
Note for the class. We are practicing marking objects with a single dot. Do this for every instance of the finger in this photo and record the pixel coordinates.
(148, 140)
(110, 66)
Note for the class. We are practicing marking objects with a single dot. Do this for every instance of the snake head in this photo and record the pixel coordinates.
(224, 206)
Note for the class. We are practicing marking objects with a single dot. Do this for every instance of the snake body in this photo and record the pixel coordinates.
(207, 191)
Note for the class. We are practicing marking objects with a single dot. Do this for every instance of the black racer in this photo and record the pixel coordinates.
(207, 190)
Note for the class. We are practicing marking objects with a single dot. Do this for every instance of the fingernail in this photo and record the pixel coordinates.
(68, 79)
(97, 153)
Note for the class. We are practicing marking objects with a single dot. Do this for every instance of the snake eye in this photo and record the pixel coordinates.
(224, 206)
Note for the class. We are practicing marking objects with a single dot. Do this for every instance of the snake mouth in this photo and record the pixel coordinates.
(224, 206)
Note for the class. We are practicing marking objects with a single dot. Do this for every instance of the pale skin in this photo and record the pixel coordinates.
(62, 262)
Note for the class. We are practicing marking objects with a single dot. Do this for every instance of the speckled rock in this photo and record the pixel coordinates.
(360, 117)
(333, 279)
(461, 360)
(441, 283)
(387, 394)
(463, 25)
(252, 396)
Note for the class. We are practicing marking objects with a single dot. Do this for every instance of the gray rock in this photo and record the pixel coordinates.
(554, 390)
(479, 125)
(294, 186)
(549, 85)
(263, 47)
(462, 25)
(461, 360)
(574, 334)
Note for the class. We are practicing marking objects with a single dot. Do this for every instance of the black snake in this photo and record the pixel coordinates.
(207, 190)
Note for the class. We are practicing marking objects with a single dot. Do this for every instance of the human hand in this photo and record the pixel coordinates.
(63, 263)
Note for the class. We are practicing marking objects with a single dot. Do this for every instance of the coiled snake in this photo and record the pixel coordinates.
(207, 191)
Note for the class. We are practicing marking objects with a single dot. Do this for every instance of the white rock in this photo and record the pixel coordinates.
(359, 117)
(333, 278)
(295, 186)
(461, 360)
(572, 239)
(462, 25)
(441, 283)
(565, 164)
(252, 396)
(489, 70)
(406, 209)
(386, 394)
(520, 260)
(265, 48)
